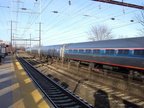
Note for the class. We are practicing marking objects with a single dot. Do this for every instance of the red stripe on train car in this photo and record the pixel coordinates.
(107, 48)
(107, 63)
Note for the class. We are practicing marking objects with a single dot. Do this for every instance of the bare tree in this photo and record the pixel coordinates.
(141, 32)
(100, 32)
(141, 21)
(141, 18)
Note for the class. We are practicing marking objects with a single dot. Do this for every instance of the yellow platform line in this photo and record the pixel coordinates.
(32, 97)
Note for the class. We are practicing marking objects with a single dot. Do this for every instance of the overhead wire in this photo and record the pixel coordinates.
(23, 6)
(77, 27)
(70, 18)
(32, 22)
(66, 24)
(78, 35)
(73, 17)
(53, 19)
(86, 25)
(16, 23)
(59, 15)
(37, 16)
(4, 18)
(30, 19)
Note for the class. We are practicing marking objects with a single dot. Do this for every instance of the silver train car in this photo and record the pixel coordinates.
(122, 54)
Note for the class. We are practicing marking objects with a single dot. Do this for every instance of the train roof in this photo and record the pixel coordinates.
(52, 46)
(115, 43)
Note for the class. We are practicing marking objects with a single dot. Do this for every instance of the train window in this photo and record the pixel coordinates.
(81, 51)
(123, 52)
(97, 51)
(88, 51)
(109, 52)
(70, 51)
(139, 52)
(75, 51)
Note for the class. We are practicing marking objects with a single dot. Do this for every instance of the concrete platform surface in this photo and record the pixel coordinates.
(17, 90)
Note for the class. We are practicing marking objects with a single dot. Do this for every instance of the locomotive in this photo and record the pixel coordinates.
(117, 54)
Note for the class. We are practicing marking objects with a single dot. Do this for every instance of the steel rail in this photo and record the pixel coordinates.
(71, 99)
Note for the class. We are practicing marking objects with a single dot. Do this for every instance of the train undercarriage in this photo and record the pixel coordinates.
(130, 72)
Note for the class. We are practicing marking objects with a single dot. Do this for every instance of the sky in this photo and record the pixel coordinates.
(64, 22)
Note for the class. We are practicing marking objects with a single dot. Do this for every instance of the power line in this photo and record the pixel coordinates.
(85, 25)
(121, 3)
(64, 21)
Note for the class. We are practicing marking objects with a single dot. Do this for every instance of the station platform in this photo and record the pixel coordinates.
(17, 90)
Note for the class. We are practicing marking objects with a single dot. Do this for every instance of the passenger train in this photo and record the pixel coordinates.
(121, 54)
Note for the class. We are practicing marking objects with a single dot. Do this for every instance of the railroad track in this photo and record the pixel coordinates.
(116, 98)
(123, 99)
(60, 97)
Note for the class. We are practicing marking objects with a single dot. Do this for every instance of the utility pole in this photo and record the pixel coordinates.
(14, 39)
(40, 26)
(39, 34)
(11, 35)
(26, 44)
(13, 42)
(30, 40)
